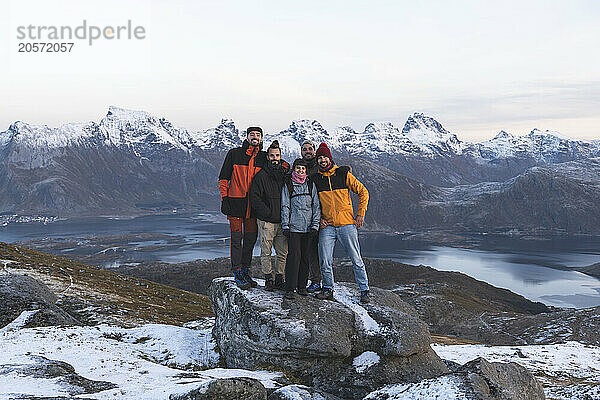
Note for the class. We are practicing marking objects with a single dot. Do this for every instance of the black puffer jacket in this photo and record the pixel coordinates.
(265, 192)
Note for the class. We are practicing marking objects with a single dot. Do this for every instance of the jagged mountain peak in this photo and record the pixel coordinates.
(222, 137)
(115, 112)
(430, 136)
(306, 129)
(381, 126)
(420, 121)
(139, 128)
(538, 132)
(32, 135)
(503, 135)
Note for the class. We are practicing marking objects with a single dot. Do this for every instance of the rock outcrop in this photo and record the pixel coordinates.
(341, 347)
(21, 294)
(39, 367)
(226, 389)
(477, 380)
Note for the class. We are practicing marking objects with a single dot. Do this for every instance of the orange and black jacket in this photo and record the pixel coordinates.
(333, 187)
(239, 167)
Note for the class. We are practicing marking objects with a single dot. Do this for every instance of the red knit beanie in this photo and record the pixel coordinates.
(323, 150)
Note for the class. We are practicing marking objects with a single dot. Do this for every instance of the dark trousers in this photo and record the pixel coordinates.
(313, 260)
(244, 232)
(296, 266)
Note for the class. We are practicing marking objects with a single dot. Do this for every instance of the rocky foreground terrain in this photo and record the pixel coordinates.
(70, 331)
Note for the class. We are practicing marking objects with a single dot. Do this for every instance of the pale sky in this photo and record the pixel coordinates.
(476, 66)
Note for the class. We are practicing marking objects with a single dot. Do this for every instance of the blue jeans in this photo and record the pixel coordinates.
(348, 237)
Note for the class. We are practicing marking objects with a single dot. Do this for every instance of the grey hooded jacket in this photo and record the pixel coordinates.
(302, 211)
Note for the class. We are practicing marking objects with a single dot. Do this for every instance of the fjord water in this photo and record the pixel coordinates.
(536, 269)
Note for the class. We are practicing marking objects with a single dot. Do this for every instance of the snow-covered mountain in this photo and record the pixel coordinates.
(421, 137)
(123, 127)
(132, 160)
(120, 127)
(223, 137)
(543, 146)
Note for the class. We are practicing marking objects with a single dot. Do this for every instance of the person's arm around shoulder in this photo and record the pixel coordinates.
(363, 197)
(316, 208)
(261, 208)
(285, 208)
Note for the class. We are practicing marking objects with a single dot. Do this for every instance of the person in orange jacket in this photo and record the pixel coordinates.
(241, 164)
(334, 184)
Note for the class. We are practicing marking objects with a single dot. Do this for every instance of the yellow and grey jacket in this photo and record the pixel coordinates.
(333, 187)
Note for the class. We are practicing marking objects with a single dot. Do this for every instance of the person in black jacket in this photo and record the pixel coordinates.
(265, 200)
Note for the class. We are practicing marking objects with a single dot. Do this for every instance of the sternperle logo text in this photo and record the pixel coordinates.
(85, 31)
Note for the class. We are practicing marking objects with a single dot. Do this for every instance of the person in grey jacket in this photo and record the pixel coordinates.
(300, 217)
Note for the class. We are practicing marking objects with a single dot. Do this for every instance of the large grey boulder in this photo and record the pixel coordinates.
(39, 367)
(501, 381)
(226, 389)
(476, 380)
(340, 346)
(20, 293)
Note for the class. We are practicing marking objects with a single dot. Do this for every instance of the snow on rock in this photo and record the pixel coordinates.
(20, 321)
(300, 392)
(6, 262)
(477, 379)
(365, 360)
(443, 388)
(343, 295)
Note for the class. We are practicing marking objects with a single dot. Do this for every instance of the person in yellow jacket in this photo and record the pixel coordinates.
(334, 184)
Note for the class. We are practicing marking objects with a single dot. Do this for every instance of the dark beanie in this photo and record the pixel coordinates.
(299, 161)
(323, 150)
(254, 129)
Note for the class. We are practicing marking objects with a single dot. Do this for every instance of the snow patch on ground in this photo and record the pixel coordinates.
(365, 360)
(149, 362)
(568, 371)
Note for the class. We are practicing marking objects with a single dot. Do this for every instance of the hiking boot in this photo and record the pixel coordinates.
(246, 272)
(314, 287)
(364, 297)
(302, 292)
(289, 294)
(269, 283)
(240, 279)
(325, 294)
(279, 282)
